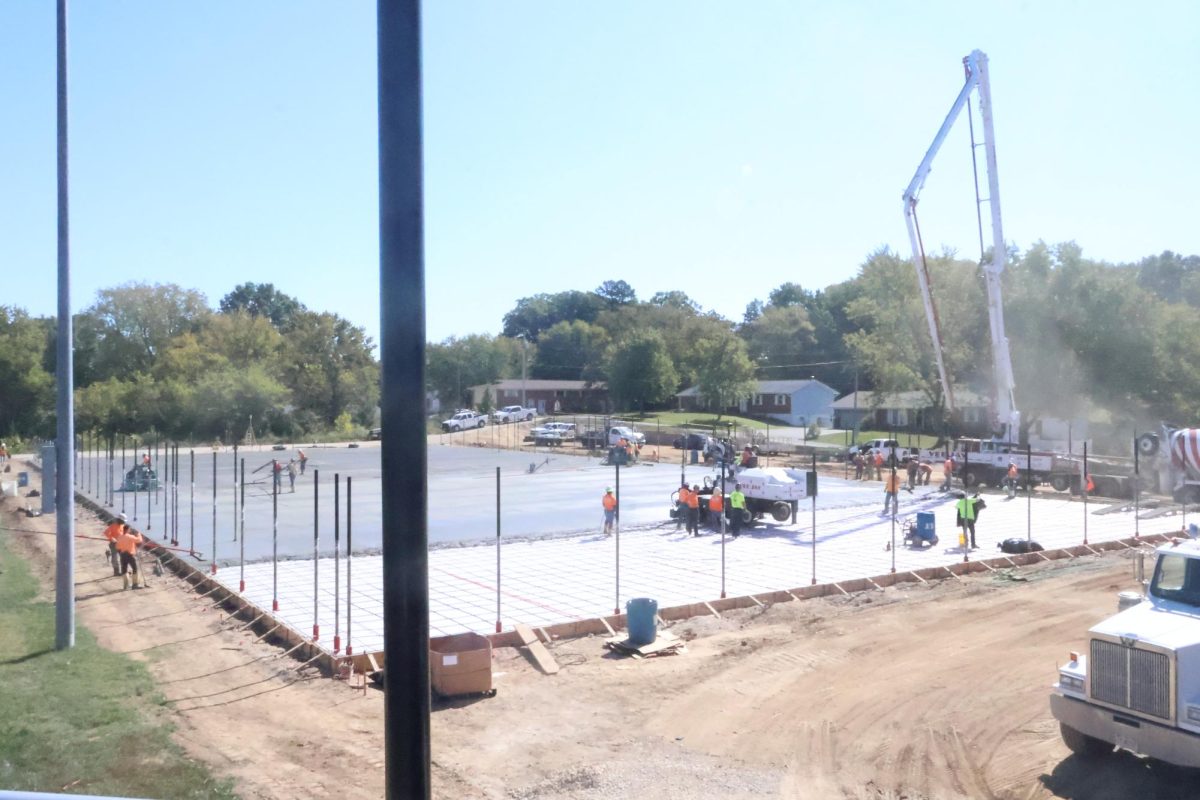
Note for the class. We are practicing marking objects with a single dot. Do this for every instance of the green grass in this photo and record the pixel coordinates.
(905, 439)
(695, 419)
(82, 720)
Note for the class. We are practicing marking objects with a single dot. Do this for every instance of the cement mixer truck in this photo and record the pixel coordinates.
(1175, 454)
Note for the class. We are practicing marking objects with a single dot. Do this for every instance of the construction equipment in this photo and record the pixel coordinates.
(1135, 687)
(1006, 419)
(1177, 465)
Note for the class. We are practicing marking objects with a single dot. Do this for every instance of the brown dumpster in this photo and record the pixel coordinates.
(461, 664)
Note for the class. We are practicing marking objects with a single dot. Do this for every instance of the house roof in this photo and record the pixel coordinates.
(535, 384)
(767, 387)
(905, 400)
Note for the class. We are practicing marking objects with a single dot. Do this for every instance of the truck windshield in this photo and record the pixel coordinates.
(1177, 578)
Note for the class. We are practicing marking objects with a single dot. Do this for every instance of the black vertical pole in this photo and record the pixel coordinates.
(274, 542)
(1028, 493)
(214, 516)
(337, 576)
(402, 350)
(150, 470)
(722, 522)
(166, 464)
(136, 472)
(242, 515)
(192, 508)
(814, 518)
(157, 469)
(497, 549)
(617, 526)
(316, 551)
(122, 473)
(1083, 484)
(349, 558)
(235, 492)
(1137, 488)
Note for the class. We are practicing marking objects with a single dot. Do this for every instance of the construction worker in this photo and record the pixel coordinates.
(609, 501)
(924, 473)
(303, 460)
(146, 460)
(967, 508)
(911, 470)
(737, 505)
(716, 508)
(891, 488)
(292, 471)
(127, 545)
(681, 506)
(693, 510)
(858, 466)
(112, 533)
(277, 471)
(878, 464)
(1010, 479)
(947, 473)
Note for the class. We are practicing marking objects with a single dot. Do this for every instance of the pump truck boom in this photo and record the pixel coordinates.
(1006, 419)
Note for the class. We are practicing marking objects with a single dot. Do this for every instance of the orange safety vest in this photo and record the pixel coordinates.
(693, 499)
(879, 459)
(128, 542)
(948, 467)
(683, 494)
(113, 531)
(715, 503)
(610, 501)
(893, 482)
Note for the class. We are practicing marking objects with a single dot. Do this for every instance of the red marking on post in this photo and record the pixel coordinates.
(242, 587)
(497, 626)
(214, 568)
(274, 604)
(349, 650)
(316, 632)
(337, 643)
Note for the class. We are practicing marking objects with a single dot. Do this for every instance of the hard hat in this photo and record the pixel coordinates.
(123, 518)
(608, 490)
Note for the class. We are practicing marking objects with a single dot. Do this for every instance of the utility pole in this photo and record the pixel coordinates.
(64, 506)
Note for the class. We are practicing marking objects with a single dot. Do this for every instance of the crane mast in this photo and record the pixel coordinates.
(1007, 419)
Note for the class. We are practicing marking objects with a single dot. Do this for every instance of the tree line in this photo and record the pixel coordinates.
(156, 357)
(1115, 343)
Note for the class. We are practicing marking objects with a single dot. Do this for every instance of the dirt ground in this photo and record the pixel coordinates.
(935, 691)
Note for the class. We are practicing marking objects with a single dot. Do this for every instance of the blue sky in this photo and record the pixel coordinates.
(718, 148)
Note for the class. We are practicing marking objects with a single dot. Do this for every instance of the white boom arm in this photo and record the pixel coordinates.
(1007, 423)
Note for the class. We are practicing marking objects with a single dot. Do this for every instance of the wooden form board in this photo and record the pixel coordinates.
(537, 650)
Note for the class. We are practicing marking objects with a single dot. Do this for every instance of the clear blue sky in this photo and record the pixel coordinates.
(718, 148)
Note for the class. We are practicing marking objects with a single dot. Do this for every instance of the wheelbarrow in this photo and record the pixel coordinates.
(920, 531)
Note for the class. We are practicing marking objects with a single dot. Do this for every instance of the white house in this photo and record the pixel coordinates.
(799, 402)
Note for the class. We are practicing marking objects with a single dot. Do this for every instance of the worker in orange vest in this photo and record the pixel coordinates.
(681, 506)
(693, 513)
(716, 507)
(947, 473)
(127, 545)
(112, 533)
(891, 488)
(610, 510)
(878, 464)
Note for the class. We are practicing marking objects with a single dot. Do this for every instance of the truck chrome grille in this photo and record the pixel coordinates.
(1139, 680)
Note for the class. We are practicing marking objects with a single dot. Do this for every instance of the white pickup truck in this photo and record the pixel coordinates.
(1136, 684)
(464, 420)
(513, 414)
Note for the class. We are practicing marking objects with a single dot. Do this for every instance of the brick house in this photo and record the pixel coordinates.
(907, 411)
(547, 396)
(799, 402)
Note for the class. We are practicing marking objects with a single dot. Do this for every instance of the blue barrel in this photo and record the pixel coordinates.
(641, 612)
(925, 527)
(22, 479)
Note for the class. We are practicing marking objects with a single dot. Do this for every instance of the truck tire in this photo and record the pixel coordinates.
(1083, 745)
(781, 512)
(970, 478)
(482, 422)
(1060, 483)
(1147, 444)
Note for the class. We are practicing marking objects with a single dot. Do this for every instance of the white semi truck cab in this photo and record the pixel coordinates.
(1137, 684)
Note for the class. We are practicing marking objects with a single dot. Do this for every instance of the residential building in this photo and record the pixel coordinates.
(798, 402)
(547, 396)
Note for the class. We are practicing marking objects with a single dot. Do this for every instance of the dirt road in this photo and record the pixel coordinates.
(932, 691)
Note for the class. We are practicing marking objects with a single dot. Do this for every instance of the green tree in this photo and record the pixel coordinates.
(329, 367)
(262, 300)
(26, 388)
(724, 372)
(640, 373)
(533, 315)
(135, 322)
(781, 340)
(571, 351)
(453, 366)
(676, 299)
(616, 293)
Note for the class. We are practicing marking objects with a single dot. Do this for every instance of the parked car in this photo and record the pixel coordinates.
(464, 420)
(565, 430)
(375, 434)
(691, 441)
(618, 432)
(593, 439)
(513, 414)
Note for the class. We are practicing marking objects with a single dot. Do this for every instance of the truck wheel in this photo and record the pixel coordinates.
(781, 512)
(970, 479)
(1147, 444)
(1060, 483)
(1083, 745)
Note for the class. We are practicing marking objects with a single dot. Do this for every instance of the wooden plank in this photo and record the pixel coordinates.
(374, 664)
(526, 634)
(541, 656)
(919, 578)
(757, 602)
(607, 627)
(839, 588)
(713, 610)
(545, 637)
